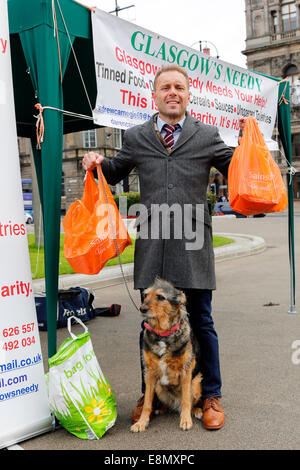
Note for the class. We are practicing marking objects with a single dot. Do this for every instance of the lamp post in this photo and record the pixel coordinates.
(205, 49)
(117, 8)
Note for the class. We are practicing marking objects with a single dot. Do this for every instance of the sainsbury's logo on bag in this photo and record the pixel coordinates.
(260, 177)
(102, 235)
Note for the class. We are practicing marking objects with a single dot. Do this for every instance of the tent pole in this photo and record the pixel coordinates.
(291, 244)
(284, 128)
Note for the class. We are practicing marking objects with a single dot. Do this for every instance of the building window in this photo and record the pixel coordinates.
(292, 74)
(296, 144)
(89, 139)
(63, 192)
(117, 139)
(289, 16)
(274, 22)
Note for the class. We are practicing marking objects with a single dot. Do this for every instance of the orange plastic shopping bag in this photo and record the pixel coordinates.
(255, 183)
(93, 226)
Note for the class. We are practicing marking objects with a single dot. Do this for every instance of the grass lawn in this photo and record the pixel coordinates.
(37, 255)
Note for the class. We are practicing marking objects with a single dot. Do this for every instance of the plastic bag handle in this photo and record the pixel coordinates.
(78, 321)
(91, 173)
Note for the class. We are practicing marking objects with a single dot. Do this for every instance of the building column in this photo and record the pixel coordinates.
(249, 26)
(266, 18)
(298, 13)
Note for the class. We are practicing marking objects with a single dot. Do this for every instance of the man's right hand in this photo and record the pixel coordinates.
(91, 159)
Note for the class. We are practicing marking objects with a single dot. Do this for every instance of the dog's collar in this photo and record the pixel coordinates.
(165, 333)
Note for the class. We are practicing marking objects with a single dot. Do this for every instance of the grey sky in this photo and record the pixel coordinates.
(220, 22)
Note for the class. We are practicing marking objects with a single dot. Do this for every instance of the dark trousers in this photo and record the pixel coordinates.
(199, 311)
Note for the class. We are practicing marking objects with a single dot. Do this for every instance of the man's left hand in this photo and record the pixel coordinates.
(242, 123)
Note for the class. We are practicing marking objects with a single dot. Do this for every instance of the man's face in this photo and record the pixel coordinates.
(171, 96)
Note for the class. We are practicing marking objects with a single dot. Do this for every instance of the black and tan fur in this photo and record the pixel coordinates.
(170, 361)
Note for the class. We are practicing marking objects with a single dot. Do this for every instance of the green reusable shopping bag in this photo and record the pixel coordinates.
(80, 397)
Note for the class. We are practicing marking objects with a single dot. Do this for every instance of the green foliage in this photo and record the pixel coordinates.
(212, 198)
(221, 241)
(132, 198)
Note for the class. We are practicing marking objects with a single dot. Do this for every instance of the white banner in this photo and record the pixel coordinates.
(24, 409)
(127, 58)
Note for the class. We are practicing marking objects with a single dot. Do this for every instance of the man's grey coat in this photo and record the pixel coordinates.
(180, 177)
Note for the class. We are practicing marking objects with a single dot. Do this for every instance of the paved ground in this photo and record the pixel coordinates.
(261, 386)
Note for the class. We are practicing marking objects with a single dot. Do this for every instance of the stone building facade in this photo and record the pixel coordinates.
(273, 48)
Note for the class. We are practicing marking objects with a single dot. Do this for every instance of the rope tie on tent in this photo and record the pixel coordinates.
(40, 126)
(283, 98)
(291, 171)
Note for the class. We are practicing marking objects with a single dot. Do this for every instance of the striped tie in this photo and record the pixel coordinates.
(169, 137)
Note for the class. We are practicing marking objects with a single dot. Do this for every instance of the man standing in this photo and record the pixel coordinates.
(173, 154)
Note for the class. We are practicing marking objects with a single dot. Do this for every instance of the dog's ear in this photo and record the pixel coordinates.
(181, 298)
(157, 279)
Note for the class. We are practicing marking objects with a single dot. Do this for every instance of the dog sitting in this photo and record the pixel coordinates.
(170, 352)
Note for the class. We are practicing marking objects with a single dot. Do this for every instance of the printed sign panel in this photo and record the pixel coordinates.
(24, 408)
(127, 58)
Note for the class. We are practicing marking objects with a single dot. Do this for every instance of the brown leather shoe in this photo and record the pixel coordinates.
(158, 408)
(213, 415)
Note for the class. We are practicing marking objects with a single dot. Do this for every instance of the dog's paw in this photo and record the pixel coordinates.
(197, 412)
(140, 426)
(186, 423)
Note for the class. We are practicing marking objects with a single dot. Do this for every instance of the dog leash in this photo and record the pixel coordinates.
(99, 171)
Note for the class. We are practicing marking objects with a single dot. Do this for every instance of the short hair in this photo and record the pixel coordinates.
(171, 68)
